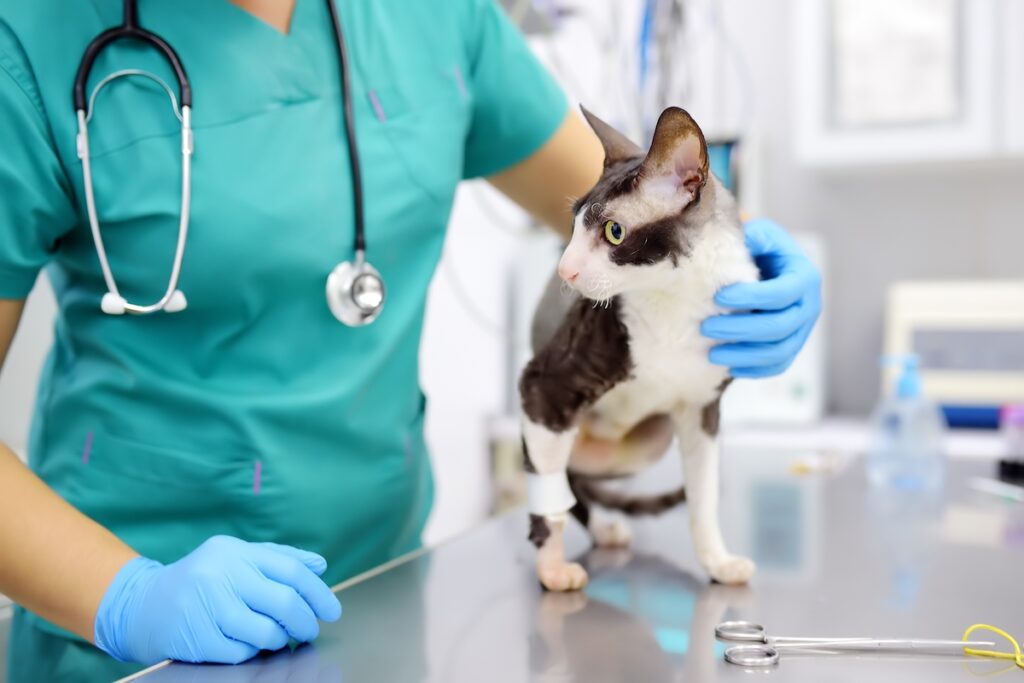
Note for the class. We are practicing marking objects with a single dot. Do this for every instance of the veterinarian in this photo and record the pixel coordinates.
(201, 472)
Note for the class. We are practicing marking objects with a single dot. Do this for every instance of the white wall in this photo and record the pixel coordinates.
(21, 369)
(924, 221)
(462, 356)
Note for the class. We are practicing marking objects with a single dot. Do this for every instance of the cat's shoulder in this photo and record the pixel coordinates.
(589, 329)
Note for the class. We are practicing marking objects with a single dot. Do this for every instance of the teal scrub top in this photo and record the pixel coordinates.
(253, 412)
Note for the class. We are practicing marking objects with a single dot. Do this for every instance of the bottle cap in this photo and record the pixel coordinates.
(1012, 415)
(908, 385)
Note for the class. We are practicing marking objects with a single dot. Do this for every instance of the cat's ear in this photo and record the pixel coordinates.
(678, 158)
(617, 147)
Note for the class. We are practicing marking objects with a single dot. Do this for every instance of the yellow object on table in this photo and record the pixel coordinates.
(1017, 656)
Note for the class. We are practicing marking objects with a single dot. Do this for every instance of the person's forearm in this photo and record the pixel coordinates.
(548, 182)
(54, 560)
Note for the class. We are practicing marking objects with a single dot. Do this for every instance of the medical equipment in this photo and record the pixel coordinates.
(970, 338)
(763, 650)
(354, 289)
(907, 448)
(549, 494)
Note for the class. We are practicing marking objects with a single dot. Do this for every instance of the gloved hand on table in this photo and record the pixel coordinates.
(782, 307)
(223, 602)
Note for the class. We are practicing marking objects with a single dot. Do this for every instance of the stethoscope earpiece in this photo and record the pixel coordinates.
(115, 304)
(112, 304)
(176, 303)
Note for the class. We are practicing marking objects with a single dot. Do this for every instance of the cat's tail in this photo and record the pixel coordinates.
(630, 505)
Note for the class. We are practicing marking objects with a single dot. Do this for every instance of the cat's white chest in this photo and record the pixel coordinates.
(669, 354)
(670, 368)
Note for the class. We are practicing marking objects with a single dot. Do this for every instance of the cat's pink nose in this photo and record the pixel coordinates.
(567, 270)
(567, 273)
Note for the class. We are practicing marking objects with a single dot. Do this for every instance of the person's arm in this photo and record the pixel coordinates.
(223, 602)
(56, 561)
(548, 181)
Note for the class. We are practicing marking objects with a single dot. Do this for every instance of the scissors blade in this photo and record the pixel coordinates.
(924, 644)
(792, 640)
(891, 645)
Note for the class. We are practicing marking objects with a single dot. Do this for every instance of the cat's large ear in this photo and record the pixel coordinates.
(617, 147)
(678, 158)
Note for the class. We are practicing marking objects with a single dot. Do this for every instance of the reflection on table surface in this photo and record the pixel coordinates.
(835, 559)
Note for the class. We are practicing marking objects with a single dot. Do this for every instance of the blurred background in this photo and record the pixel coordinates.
(887, 135)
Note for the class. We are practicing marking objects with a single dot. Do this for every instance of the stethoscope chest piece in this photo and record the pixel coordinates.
(355, 292)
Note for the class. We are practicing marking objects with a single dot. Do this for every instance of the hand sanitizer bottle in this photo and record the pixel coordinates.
(907, 446)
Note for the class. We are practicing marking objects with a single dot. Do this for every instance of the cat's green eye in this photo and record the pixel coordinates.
(613, 232)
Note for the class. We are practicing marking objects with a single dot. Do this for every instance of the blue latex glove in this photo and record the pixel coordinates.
(781, 309)
(223, 602)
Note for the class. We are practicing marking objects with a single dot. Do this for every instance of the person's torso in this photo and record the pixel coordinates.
(254, 411)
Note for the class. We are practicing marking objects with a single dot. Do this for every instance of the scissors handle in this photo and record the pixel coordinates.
(752, 632)
(754, 656)
(741, 632)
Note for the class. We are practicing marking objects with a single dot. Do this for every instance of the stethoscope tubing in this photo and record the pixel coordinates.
(350, 130)
(187, 148)
(129, 30)
(341, 283)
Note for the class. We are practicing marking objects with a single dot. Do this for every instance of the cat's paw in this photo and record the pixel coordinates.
(731, 569)
(567, 576)
(555, 605)
(611, 533)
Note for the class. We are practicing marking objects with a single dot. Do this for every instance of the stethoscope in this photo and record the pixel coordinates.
(355, 290)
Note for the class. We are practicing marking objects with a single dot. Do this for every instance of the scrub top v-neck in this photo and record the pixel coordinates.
(253, 412)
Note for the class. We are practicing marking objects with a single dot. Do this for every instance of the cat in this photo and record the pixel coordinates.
(620, 365)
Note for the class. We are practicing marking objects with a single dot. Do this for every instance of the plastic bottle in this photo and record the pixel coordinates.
(907, 445)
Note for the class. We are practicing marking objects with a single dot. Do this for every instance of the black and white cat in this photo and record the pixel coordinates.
(620, 365)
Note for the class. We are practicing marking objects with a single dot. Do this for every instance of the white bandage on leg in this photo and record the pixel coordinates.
(549, 494)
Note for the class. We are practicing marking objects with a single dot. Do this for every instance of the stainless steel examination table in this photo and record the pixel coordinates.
(835, 559)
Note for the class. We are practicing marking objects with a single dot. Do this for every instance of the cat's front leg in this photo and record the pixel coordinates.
(697, 429)
(547, 459)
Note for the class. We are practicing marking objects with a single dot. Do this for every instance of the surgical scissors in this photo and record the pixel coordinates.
(760, 649)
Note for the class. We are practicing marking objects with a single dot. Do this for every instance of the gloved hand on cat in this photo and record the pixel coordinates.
(784, 306)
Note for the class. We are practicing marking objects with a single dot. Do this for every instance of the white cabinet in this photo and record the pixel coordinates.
(1012, 18)
(908, 81)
